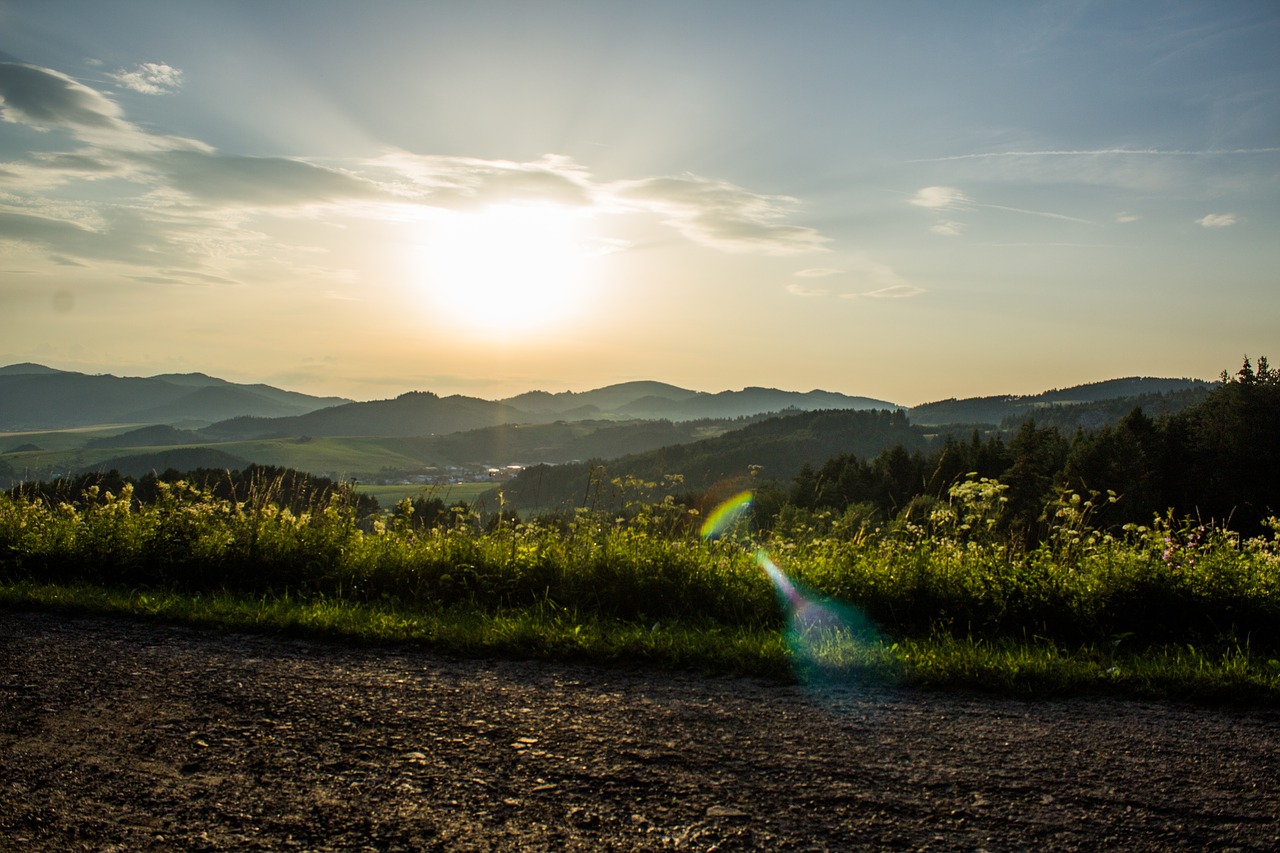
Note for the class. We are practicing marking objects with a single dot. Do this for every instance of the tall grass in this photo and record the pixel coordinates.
(943, 595)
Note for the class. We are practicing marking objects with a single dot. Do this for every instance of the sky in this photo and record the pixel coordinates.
(909, 201)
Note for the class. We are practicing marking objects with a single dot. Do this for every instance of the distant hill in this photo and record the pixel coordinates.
(1002, 409)
(609, 399)
(178, 459)
(748, 401)
(659, 401)
(414, 413)
(563, 441)
(160, 435)
(1069, 417)
(34, 397)
(28, 368)
(424, 413)
(780, 446)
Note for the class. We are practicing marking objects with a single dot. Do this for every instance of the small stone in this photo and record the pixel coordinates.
(726, 811)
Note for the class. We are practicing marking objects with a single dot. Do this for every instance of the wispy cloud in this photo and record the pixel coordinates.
(941, 198)
(795, 288)
(1145, 170)
(46, 99)
(150, 78)
(870, 277)
(1218, 220)
(259, 181)
(720, 214)
(1104, 152)
(1047, 214)
(897, 291)
(468, 182)
(184, 202)
(1125, 217)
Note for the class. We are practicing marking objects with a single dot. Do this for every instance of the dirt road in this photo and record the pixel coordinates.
(123, 736)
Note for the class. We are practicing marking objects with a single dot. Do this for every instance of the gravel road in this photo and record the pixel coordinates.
(117, 735)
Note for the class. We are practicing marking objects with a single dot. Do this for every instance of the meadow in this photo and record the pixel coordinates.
(1170, 608)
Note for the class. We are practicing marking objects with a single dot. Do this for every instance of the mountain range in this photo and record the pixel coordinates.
(35, 397)
(185, 420)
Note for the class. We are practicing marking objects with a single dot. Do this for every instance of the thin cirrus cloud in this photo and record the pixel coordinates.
(181, 186)
(795, 288)
(1218, 220)
(860, 271)
(720, 214)
(1102, 152)
(1143, 169)
(895, 291)
(259, 181)
(151, 78)
(947, 228)
(469, 182)
(941, 198)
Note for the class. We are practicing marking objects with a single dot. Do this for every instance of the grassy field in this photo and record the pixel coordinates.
(63, 452)
(1168, 609)
(389, 496)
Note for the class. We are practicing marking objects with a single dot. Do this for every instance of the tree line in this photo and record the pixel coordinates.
(1218, 460)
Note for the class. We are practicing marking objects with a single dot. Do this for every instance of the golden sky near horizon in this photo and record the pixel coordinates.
(904, 201)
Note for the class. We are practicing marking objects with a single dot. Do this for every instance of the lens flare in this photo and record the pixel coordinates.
(723, 518)
(826, 637)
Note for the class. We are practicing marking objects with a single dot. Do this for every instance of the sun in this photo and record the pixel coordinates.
(509, 268)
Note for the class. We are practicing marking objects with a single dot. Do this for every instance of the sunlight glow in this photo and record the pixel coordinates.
(511, 268)
(827, 639)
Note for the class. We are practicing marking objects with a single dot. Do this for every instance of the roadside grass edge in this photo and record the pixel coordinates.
(1033, 668)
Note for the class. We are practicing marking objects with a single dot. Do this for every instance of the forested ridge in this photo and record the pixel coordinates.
(1215, 459)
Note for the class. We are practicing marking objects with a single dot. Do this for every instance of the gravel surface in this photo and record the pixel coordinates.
(116, 735)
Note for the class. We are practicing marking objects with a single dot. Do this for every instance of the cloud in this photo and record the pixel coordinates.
(797, 289)
(1044, 213)
(468, 182)
(1104, 152)
(259, 181)
(879, 280)
(1124, 217)
(1218, 220)
(896, 291)
(720, 214)
(941, 198)
(45, 99)
(180, 206)
(150, 78)
(115, 234)
(1145, 170)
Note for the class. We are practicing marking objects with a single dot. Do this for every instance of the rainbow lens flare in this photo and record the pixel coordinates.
(724, 517)
(826, 637)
